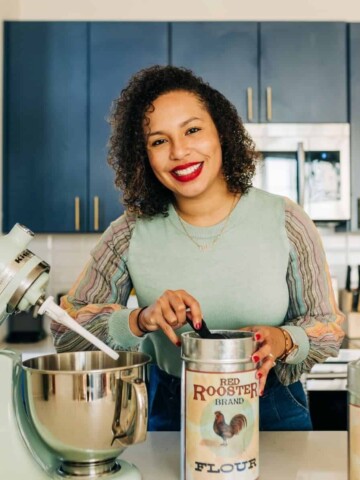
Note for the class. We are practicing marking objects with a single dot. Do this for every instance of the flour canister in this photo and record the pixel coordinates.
(354, 420)
(220, 408)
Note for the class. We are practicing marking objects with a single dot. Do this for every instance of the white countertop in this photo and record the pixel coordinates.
(44, 347)
(283, 456)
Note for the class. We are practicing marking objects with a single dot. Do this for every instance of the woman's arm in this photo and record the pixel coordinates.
(101, 292)
(313, 318)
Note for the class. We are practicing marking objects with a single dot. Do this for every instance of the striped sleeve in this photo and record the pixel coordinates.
(101, 291)
(313, 316)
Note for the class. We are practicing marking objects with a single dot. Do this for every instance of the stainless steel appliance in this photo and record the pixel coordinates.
(70, 415)
(309, 163)
(64, 415)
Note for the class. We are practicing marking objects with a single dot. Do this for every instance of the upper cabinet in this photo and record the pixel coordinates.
(225, 54)
(117, 50)
(283, 72)
(60, 81)
(303, 72)
(45, 119)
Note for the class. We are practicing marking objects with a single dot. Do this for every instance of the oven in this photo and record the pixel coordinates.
(326, 389)
(309, 163)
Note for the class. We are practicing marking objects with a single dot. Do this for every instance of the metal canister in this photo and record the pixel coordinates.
(354, 420)
(220, 408)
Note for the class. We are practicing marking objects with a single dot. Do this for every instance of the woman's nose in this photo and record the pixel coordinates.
(179, 149)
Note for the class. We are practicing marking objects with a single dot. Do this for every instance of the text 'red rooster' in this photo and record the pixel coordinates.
(225, 431)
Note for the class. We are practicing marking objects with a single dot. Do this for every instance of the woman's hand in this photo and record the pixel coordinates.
(168, 313)
(271, 345)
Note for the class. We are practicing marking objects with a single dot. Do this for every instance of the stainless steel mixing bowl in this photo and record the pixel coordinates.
(87, 407)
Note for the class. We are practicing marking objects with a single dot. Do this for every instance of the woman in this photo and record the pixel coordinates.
(197, 239)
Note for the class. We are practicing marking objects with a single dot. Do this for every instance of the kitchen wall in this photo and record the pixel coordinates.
(68, 253)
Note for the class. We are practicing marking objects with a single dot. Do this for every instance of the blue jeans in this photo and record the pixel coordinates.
(281, 408)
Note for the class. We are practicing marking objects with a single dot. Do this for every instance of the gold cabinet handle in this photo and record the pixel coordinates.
(269, 104)
(77, 214)
(250, 104)
(96, 213)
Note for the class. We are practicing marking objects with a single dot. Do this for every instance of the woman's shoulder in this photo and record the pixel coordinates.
(292, 209)
(118, 235)
(126, 222)
(265, 204)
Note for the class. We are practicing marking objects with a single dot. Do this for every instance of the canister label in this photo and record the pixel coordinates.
(354, 442)
(221, 425)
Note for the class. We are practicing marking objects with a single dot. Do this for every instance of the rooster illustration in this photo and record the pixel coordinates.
(225, 431)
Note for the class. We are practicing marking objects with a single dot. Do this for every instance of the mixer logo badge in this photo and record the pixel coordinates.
(26, 254)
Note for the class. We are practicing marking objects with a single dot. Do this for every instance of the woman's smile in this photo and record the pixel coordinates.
(187, 172)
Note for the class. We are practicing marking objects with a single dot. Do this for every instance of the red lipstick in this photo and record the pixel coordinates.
(195, 168)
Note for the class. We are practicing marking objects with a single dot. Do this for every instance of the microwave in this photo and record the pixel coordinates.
(309, 163)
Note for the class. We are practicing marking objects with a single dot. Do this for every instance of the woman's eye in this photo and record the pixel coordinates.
(192, 130)
(155, 143)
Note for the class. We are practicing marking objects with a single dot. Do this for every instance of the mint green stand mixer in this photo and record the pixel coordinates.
(67, 415)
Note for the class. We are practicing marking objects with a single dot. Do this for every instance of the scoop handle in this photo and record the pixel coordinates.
(203, 331)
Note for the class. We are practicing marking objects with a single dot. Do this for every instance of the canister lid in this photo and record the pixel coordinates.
(237, 348)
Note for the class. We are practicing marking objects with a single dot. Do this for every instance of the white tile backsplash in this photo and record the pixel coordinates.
(68, 254)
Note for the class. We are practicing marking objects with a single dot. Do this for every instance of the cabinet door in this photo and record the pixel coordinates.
(45, 131)
(304, 64)
(117, 51)
(225, 54)
(355, 123)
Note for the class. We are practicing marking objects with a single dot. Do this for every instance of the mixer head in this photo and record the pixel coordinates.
(23, 275)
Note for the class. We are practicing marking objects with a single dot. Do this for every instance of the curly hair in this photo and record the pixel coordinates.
(143, 193)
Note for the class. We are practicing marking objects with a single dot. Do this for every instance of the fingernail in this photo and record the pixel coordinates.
(255, 358)
(197, 326)
(178, 343)
(261, 393)
(257, 336)
(259, 375)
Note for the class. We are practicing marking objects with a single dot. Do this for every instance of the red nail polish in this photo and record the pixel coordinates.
(197, 326)
(257, 336)
(178, 343)
(261, 393)
(255, 358)
(259, 375)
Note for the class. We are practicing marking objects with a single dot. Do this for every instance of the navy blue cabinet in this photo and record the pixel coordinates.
(303, 72)
(116, 51)
(45, 118)
(283, 72)
(354, 57)
(226, 55)
(60, 81)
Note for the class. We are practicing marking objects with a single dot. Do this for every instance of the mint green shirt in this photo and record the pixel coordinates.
(267, 268)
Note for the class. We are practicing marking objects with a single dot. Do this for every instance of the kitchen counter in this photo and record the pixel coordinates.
(283, 456)
(43, 347)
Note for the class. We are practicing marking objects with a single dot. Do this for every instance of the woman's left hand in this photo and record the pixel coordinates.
(271, 345)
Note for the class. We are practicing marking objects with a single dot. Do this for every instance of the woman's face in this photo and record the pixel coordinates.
(183, 145)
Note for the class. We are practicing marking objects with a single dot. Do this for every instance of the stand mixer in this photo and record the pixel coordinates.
(67, 415)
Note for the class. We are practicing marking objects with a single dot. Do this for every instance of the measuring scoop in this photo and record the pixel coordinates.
(204, 332)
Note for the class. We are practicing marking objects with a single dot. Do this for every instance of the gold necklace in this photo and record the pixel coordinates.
(206, 247)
